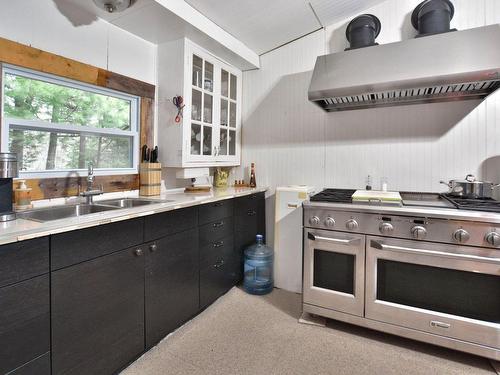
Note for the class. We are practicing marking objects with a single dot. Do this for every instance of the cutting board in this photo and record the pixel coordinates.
(377, 197)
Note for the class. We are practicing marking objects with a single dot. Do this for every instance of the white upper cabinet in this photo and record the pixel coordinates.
(209, 132)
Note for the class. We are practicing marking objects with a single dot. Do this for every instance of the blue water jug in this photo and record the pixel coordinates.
(259, 260)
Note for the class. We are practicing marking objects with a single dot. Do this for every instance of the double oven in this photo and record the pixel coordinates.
(443, 293)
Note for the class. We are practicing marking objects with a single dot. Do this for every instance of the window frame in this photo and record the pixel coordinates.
(37, 125)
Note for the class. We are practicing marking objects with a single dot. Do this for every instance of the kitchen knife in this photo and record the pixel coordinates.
(154, 155)
(144, 151)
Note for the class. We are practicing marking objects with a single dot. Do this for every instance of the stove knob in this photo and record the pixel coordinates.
(352, 224)
(461, 235)
(314, 220)
(493, 238)
(329, 222)
(386, 228)
(419, 232)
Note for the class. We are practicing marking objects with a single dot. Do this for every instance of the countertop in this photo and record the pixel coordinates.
(22, 229)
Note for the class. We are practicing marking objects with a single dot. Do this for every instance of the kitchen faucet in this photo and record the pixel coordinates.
(90, 191)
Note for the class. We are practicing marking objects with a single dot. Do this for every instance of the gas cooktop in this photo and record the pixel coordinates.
(417, 199)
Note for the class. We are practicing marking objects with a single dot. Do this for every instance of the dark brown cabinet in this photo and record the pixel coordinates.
(24, 323)
(109, 292)
(24, 306)
(80, 245)
(249, 220)
(98, 314)
(219, 269)
(23, 260)
(172, 289)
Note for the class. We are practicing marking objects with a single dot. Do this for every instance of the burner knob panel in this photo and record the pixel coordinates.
(329, 222)
(419, 232)
(314, 220)
(351, 224)
(386, 228)
(493, 239)
(461, 235)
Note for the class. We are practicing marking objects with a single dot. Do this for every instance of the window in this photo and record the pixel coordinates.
(57, 126)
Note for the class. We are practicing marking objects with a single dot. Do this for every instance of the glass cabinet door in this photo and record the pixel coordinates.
(202, 107)
(228, 114)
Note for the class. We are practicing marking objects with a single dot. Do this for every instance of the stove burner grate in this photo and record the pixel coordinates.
(334, 196)
(484, 204)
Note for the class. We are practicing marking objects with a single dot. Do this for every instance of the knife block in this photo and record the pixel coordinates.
(149, 179)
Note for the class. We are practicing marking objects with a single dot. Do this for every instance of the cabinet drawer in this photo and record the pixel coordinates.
(85, 244)
(24, 322)
(216, 210)
(170, 222)
(215, 250)
(216, 230)
(217, 279)
(23, 260)
(248, 203)
(246, 223)
(38, 366)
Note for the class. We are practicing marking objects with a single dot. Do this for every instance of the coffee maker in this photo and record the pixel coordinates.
(8, 171)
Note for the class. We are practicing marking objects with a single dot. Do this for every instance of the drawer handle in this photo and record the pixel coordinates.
(138, 252)
(219, 224)
(438, 324)
(219, 244)
(153, 247)
(251, 213)
(219, 264)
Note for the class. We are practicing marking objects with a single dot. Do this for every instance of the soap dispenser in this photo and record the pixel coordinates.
(22, 196)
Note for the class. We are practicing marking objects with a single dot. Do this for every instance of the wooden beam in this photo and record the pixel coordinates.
(119, 82)
(66, 187)
(33, 58)
(147, 120)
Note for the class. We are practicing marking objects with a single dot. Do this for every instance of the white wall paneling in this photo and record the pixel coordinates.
(56, 26)
(294, 142)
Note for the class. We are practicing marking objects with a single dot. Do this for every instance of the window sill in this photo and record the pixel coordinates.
(76, 173)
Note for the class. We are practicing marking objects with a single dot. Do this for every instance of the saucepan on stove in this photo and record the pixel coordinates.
(470, 188)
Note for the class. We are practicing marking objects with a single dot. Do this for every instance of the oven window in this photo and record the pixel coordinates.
(334, 271)
(461, 293)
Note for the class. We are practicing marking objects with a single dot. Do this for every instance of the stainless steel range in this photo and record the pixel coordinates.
(428, 270)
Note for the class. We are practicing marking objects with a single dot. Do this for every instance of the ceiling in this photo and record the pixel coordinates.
(266, 24)
(257, 25)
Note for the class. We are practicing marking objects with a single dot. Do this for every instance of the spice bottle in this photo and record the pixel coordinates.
(253, 182)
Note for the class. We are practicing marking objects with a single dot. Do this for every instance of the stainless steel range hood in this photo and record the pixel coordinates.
(452, 66)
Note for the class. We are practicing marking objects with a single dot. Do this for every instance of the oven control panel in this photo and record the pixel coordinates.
(407, 227)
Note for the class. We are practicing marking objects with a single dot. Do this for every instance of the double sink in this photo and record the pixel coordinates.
(69, 211)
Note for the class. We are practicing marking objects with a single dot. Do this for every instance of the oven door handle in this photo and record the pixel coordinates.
(380, 246)
(338, 241)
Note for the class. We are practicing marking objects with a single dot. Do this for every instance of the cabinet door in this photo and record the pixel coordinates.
(98, 314)
(201, 108)
(24, 323)
(249, 220)
(172, 287)
(228, 126)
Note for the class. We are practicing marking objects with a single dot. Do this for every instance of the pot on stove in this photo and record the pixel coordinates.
(470, 188)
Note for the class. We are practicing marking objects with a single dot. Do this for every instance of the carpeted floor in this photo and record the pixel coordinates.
(243, 334)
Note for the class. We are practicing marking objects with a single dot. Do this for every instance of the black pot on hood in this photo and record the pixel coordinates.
(432, 17)
(362, 31)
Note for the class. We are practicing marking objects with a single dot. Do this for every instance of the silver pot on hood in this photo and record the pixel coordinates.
(470, 188)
